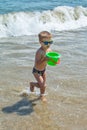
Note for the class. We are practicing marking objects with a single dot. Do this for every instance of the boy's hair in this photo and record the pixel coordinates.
(44, 34)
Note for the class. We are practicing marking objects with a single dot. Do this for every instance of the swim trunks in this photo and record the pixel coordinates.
(38, 71)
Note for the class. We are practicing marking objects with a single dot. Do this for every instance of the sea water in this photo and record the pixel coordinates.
(19, 18)
(20, 23)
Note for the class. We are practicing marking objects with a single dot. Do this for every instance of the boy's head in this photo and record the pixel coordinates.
(44, 36)
(45, 39)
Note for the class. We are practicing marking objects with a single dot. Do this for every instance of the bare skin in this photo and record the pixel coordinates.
(40, 64)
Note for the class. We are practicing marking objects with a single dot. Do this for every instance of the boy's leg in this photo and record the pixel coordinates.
(32, 85)
(43, 97)
(41, 84)
(44, 78)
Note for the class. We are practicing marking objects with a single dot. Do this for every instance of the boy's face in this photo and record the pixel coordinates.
(46, 42)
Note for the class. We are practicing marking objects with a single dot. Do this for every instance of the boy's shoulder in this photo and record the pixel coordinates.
(39, 51)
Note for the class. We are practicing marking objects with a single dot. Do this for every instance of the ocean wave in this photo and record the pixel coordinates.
(29, 23)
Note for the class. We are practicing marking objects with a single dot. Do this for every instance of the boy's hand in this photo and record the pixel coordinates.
(51, 59)
(47, 58)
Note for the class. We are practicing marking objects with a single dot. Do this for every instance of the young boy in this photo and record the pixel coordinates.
(45, 39)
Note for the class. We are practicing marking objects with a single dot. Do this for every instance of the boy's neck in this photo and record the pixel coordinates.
(44, 49)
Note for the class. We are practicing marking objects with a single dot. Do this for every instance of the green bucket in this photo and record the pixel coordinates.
(55, 57)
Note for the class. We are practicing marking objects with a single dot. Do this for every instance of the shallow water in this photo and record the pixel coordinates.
(66, 108)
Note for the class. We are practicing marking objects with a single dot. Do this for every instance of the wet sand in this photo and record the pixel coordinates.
(66, 108)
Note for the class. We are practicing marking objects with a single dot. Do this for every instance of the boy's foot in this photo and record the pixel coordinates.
(31, 87)
(43, 98)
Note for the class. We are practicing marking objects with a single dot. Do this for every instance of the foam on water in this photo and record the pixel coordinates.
(27, 92)
(29, 23)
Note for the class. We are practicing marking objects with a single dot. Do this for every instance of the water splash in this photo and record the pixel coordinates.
(30, 23)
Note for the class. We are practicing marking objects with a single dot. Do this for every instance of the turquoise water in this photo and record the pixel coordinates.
(7, 6)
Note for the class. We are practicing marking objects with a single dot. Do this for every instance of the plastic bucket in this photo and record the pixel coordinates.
(55, 58)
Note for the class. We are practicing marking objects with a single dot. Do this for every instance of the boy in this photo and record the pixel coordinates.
(40, 63)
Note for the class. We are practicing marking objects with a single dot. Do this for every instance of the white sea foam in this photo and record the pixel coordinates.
(28, 23)
(27, 92)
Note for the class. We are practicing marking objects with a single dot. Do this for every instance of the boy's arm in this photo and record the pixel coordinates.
(40, 58)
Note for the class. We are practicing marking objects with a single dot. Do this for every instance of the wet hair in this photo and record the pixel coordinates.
(44, 34)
